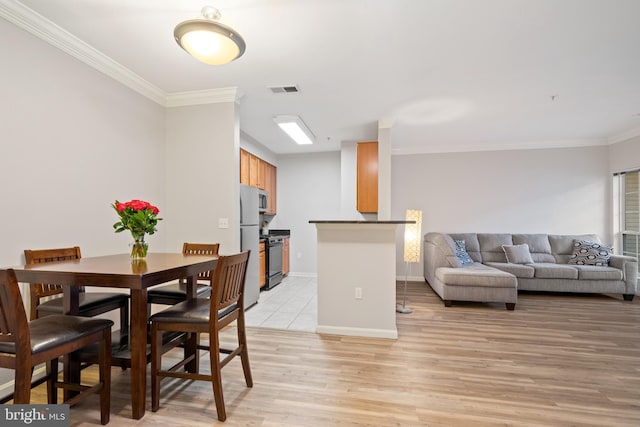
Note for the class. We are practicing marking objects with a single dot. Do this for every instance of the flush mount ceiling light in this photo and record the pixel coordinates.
(295, 128)
(209, 41)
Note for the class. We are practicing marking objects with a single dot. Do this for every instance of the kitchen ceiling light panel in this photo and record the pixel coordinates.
(295, 128)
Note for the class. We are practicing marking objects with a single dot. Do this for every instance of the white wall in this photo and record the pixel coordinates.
(308, 188)
(203, 174)
(625, 155)
(561, 191)
(73, 141)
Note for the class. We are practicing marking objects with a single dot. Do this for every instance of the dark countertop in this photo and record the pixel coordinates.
(281, 232)
(356, 221)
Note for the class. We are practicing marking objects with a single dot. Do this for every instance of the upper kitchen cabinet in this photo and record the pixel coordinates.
(367, 177)
(270, 173)
(260, 174)
(244, 167)
(253, 170)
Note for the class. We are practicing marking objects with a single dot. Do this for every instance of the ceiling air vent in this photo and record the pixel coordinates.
(284, 89)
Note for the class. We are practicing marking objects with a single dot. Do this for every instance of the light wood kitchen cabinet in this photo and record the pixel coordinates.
(253, 170)
(260, 174)
(270, 187)
(244, 167)
(263, 265)
(285, 256)
(367, 177)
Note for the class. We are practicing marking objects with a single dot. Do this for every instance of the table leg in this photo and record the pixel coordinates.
(191, 345)
(71, 361)
(138, 352)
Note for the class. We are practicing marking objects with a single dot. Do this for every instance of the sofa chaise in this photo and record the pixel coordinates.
(492, 267)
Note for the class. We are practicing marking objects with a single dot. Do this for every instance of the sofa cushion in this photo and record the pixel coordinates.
(471, 244)
(491, 246)
(461, 258)
(539, 246)
(477, 275)
(517, 254)
(518, 270)
(562, 245)
(547, 270)
(586, 252)
(593, 272)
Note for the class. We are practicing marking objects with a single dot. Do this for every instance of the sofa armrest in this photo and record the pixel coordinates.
(629, 267)
(435, 254)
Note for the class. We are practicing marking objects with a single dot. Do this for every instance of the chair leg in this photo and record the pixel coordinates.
(191, 347)
(156, 363)
(244, 353)
(52, 375)
(71, 373)
(124, 319)
(22, 386)
(216, 376)
(105, 376)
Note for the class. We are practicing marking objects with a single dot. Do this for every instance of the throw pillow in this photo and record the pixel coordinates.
(517, 254)
(586, 252)
(462, 258)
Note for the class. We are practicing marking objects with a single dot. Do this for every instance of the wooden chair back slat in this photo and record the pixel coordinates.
(13, 318)
(201, 249)
(228, 281)
(37, 291)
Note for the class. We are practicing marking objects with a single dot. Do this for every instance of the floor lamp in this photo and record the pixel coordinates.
(411, 251)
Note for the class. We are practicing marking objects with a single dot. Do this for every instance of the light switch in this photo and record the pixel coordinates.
(223, 222)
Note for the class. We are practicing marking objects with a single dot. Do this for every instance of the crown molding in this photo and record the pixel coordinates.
(623, 136)
(34, 23)
(528, 145)
(198, 97)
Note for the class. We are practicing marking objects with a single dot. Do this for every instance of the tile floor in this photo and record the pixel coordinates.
(291, 305)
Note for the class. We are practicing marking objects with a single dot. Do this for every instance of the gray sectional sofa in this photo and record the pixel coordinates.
(482, 272)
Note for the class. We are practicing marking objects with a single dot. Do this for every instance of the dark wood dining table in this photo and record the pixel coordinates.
(120, 271)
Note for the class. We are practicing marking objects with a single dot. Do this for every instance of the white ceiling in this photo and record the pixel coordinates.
(450, 75)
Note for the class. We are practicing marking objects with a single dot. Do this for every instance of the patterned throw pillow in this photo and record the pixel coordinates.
(586, 252)
(461, 253)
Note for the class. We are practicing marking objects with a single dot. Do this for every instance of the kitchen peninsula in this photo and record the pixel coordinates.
(357, 277)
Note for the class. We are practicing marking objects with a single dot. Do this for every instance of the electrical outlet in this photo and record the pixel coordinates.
(358, 293)
(223, 222)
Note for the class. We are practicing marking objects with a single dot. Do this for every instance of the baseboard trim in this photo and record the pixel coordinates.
(410, 278)
(358, 332)
(294, 274)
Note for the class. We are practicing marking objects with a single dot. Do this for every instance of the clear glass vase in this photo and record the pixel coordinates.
(139, 247)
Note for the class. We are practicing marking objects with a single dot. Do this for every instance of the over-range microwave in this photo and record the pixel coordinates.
(263, 198)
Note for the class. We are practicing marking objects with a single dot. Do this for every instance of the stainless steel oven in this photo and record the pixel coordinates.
(273, 262)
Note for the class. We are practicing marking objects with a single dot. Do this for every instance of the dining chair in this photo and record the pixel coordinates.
(177, 292)
(90, 303)
(25, 344)
(205, 316)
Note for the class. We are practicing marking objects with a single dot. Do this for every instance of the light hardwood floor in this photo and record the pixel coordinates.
(557, 360)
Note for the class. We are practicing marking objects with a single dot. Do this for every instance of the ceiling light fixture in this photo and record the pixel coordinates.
(295, 128)
(208, 40)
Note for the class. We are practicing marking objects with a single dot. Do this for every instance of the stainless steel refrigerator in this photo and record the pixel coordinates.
(249, 240)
